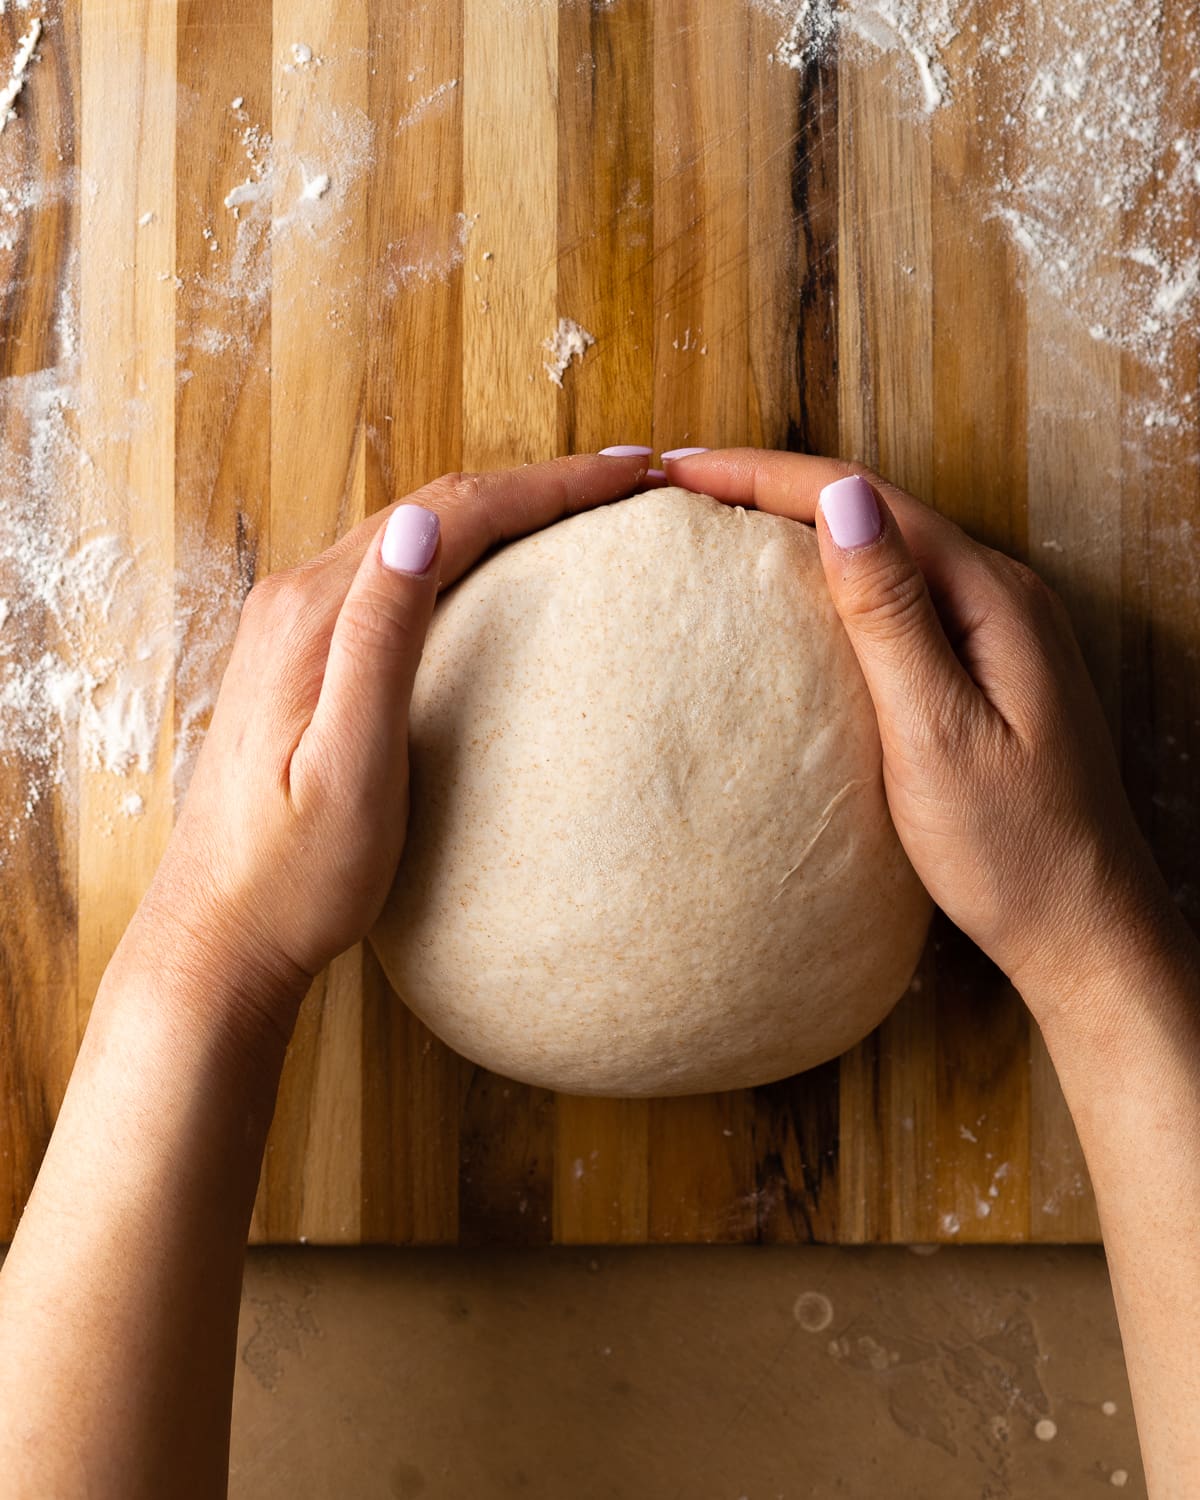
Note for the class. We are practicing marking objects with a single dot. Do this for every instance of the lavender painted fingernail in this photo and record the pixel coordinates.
(656, 473)
(410, 539)
(626, 450)
(851, 512)
(682, 453)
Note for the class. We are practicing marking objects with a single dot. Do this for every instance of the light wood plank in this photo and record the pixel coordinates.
(510, 179)
(509, 416)
(980, 435)
(321, 157)
(701, 396)
(412, 1082)
(127, 430)
(605, 281)
(885, 377)
(792, 169)
(701, 192)
(223, 350)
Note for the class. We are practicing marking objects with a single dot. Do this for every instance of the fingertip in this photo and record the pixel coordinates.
(852, 513)
(410, 540)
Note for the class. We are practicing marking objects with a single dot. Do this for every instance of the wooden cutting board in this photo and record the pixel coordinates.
(782, 256)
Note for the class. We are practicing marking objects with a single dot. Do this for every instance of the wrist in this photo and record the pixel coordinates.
(213, 979)
(1109, 972)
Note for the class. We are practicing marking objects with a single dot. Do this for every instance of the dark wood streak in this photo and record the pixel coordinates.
(815, 186)
(796, 1156)
(796, 1120)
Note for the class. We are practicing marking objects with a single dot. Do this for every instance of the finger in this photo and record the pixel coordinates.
(960, 573)
(917, 683)
(480, 511)
(789, 484)
(358, 735)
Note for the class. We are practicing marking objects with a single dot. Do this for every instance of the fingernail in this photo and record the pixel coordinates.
(682, 453)
(626, 450)
(851, 512)
(410, 539)
(656, 473)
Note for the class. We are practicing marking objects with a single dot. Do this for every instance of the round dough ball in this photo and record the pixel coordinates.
(649, 851)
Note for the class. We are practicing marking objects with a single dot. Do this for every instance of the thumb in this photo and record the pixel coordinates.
(882, 598)
(359, 731)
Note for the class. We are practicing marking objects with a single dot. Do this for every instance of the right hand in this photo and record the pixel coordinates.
(997, 762)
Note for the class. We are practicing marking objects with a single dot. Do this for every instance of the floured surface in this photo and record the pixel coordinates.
(248, 297)
(1094, 164)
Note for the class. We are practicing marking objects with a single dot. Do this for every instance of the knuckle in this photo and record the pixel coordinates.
(1030, 588)
(373, 625)
(263, 601)
(888, 597)
(282, 602)
(456, 490)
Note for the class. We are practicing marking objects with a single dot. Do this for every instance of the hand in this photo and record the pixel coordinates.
(295, 819)
(997, 762)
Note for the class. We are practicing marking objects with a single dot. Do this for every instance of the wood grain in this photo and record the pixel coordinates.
(510, 416)
(787, 257)
(605, 281)
(414, 426)
(39, 944)
(126, 418)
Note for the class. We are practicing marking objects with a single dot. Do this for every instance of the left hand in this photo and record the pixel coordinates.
(294, 823)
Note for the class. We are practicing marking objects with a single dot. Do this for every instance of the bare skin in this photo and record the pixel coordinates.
(119, 1298)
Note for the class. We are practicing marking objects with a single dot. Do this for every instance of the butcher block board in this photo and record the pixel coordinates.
(789, 256)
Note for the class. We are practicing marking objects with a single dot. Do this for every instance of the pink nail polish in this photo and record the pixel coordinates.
(682, 453)
(626, 450)
(656, 473)
(851, 512)
(410, 539)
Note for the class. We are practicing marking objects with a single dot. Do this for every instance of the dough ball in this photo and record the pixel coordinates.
(649, 851)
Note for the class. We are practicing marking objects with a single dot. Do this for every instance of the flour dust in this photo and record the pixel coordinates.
(1088, 165)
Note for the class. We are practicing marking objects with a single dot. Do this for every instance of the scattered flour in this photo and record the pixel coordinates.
(1087, 164)
(17, 71)
(275, 222)
(93, 632)
(568, 341)
(425, 256)
(428, 104)
(920, 29)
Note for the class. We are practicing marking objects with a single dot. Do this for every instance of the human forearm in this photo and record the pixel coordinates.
(1127, 1051)
(119, 1298)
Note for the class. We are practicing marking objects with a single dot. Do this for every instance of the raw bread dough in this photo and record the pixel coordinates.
(649, 851)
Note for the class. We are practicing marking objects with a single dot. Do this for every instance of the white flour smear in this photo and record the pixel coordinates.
(1088, 168)
(921, 30)
(94, 631)
(24, 55)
